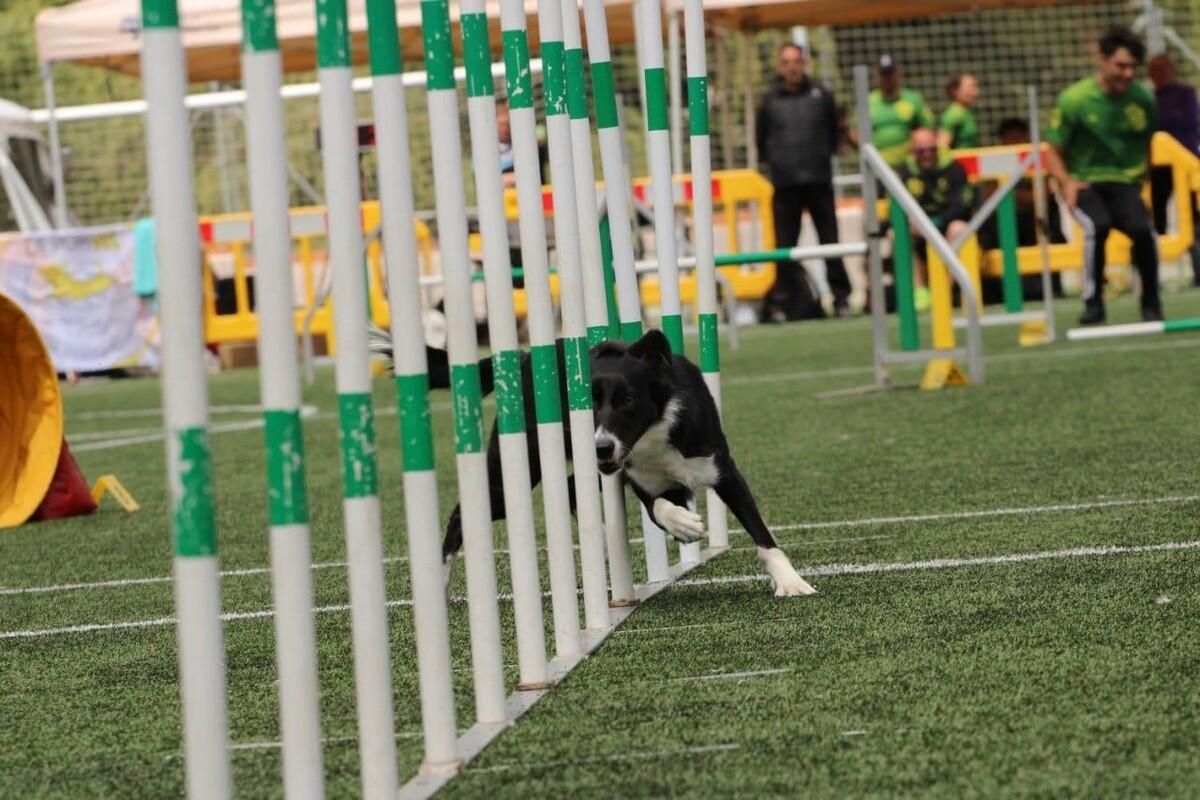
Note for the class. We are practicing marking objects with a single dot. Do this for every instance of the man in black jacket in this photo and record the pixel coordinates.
(798, 131)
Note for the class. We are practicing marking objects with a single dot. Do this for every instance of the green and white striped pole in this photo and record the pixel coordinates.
(702, 230)
(629, 303)
(595, 289)
(575, 343)
(1134, 329)
(442, 102)
(548, 403)
(279, 384)
(430, 618)
(506, 358)
(360, 505)
(185, 407)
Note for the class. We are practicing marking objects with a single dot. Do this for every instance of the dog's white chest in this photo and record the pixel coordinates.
(656, 466)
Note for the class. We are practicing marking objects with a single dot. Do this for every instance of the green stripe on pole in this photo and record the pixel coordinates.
(439, 52)
(192, 517)
(518, 78)
(258, 26)
(579, 373)
(357, 424)
(597, 334)
(605, 93)
(554, 78)
(333, 34)
(697, 89)
(576, 84)
(672, 326)
(631, 331)
(383, 38)
(902, 266)
(416, 427)
(656, 99)
(610, 279)
(1006, 213)
(710, 350)
(510, 404)
(468, 408)
(545, 383)
(287, 494)
(1179, 325)
(476, 55)
(160, 14)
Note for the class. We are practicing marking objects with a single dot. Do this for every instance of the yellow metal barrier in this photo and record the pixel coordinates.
(228, 272)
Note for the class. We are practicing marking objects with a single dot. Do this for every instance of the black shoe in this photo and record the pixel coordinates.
(1152, 314)
(842, 310)
(1093, 314)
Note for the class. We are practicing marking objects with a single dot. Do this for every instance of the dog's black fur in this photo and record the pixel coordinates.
(636, 388)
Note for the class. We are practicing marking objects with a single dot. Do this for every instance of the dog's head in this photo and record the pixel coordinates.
(631, 386)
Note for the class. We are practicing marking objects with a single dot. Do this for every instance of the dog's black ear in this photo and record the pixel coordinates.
(653, 348)
(609, 349)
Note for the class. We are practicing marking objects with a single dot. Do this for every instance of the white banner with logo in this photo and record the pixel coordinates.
(77, 288)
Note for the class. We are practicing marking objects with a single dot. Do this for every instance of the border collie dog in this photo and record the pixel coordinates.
(657, 425)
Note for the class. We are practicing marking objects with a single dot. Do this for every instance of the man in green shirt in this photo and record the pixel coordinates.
(895, 113)
(1100, 131)
(958, 128)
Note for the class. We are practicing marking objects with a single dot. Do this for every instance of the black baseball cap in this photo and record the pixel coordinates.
(887, 63)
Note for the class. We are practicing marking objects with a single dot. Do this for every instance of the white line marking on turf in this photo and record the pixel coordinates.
(724, 676)
(306, 412)
(852, 523)
(947, 563)
(854, 733)
(685, 751)
(991, 512)
(819, 570)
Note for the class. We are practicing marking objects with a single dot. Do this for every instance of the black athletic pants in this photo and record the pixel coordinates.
(792, 293)
(1103, 207)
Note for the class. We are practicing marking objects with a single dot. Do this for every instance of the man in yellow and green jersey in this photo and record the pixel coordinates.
(1100, 131)
(895, 113)
(958, 128)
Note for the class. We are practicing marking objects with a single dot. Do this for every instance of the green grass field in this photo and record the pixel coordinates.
(1070, 671)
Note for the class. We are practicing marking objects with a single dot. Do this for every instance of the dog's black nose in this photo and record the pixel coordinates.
(605, 448)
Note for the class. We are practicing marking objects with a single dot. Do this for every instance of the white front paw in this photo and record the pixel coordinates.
(786, 580)
(447, 572)
(684, 524)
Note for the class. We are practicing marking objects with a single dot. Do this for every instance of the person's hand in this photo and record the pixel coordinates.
(1071, 192)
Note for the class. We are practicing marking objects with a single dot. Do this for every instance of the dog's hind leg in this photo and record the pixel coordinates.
(732, 488)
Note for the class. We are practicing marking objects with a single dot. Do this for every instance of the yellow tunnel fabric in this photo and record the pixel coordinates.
(31, 419)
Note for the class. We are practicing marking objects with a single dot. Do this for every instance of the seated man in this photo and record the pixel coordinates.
(940, 186)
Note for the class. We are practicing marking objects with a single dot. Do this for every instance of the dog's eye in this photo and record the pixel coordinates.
(623, 399)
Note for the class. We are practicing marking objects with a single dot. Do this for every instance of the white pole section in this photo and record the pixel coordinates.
(430, 617)
(506, 357)
(675, 68)
(575, 346)
(616, 196)
(56, 160)
(185, 408)
(279, 384)
(484, 612)
(594, 288)
(702, 230)
(360, 506)
(548, 400)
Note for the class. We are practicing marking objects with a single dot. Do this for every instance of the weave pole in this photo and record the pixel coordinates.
(702, 231)
(544, 352)
(662, 191)
(279, 384)
(484, 612)
(506, 358)
(185, 407)
(430, 618)
(575, 343)
(595, 290)
(612, 162)
(360, 504)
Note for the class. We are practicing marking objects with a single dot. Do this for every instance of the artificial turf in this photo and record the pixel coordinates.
(1067, 676)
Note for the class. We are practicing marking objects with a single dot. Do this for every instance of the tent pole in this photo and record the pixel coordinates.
(56, 160)
(723, 96)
